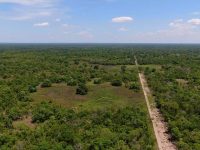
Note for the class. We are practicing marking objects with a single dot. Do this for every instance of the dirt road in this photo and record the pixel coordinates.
(159, 126)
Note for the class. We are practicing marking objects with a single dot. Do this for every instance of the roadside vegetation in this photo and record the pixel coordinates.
(175, 87)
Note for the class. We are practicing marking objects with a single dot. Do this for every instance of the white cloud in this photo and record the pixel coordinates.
(178, 31)
(70, 26)
(196, 13)
(43, 24)
(67, 25)
(29, 15)
(123, 29)
(57, 19)
(195, 21)
(86, 34)
(31, 9)
(176, 23)
(122, 19)
(29, 2)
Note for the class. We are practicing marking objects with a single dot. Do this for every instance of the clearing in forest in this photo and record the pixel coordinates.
(99, 96)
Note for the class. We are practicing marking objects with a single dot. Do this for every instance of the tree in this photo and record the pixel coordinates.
(32, 89)
(134, 86)
(116, 83)
(46, 83)
(97, 81)
(43, 112)
(123, 69)
(96, 67)
(82, 89)
(71, 82)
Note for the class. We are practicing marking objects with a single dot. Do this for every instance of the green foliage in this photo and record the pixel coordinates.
(71, 82)
(101, 129)
(32, 89)
(43, 112)
(134, 86)
(46, 83)
(54, 127)
(6, 141)
(97, 81)
(123, 69)
(116, 83)
(175, 86)
(23, 96)
(82, 89)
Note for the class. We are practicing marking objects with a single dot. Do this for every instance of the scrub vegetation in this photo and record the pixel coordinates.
(71, 98)
(74, 97)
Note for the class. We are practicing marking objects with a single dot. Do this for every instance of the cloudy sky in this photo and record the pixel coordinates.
(100, 21)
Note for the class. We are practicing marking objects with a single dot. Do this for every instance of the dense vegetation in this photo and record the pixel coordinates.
(175, 80)
(26, 123)
(88, 74)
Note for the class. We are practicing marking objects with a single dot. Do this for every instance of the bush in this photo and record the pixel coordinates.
(96, 67)
(46, 83)
(14, 113)
(97, 81)
(32, 89)
(82, 89)
(134, 86)
(116, 83)
(123, 69)
(72, 82)
(23, 96)
(43, 112)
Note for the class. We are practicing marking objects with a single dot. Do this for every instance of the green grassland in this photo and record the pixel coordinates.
(99, 96)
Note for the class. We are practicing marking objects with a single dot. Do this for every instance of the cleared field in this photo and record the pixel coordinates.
(99, 96)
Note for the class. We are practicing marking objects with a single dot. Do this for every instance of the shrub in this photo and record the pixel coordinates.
(46, 83)
(76, 62)
(23, 96)
(81, 80)
(72, 82)
(96, 67)
(32, 89)
(134, 86)
(123, 69)
(116, 83)
(14, 113)
(82, 89)
(97, 81)
(43, 112)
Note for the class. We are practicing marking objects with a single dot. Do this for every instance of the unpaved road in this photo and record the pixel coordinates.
(159, 126)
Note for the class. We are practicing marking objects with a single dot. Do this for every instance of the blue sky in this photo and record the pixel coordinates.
(100, 21)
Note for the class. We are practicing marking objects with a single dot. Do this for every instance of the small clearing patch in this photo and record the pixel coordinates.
(26, 120)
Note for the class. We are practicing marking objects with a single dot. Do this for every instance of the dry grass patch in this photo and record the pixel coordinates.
(26, 120)
(60, 94)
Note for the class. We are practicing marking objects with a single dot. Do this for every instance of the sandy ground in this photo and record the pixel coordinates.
(159, 126)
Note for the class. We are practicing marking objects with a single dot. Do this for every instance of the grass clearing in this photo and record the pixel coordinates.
(99, 96)
(60, 94)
